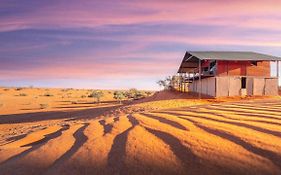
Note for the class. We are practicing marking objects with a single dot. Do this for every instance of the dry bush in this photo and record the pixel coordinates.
(48, 94)
(22, 94)
(19, 89)
(44, 106)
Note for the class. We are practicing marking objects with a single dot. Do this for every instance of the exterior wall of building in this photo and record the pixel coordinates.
(271, 86)
(243, 68)
(208, 86)
(258, 86)
(234, 86)
(224, 86)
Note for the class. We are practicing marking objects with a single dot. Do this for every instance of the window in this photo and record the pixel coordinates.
(254, 63)
(243, 83)
(213, 67)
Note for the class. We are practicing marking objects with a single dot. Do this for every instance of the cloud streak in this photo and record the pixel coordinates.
(64, 39)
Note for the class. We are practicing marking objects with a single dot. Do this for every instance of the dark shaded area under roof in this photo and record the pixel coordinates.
(191, 59)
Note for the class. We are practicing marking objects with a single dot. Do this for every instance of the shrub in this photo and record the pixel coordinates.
(6, 89)
(131, 93)
(119, 95)
(83, 96)
(168, 83)
(48, 95)
(1, 105)
(135, 94)
(22, 94)
(139, 95)
(43, 106)
(148, 93)
(19, 89)
(97, 95)
(64, 90)
(74, 102)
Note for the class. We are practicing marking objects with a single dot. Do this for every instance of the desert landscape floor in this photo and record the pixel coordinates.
(227, 138)
(219, 138)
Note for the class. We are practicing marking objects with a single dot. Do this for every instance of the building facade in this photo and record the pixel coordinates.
(220, 74)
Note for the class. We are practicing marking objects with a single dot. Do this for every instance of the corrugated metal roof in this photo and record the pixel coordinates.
(230, 55)
(190, 60)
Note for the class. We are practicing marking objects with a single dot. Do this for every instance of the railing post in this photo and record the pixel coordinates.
(200, 83)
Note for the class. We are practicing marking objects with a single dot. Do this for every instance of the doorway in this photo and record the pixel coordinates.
(243, 83)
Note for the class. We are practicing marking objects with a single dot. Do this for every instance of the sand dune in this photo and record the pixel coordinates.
(210, 138)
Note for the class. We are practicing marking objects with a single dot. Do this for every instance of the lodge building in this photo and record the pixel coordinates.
(223, 73)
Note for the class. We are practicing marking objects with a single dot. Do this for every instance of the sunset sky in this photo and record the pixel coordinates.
(114, 44)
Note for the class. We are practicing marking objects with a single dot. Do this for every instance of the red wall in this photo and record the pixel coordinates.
(243, 68)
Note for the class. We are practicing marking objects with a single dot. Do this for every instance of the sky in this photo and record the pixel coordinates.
(120, 44)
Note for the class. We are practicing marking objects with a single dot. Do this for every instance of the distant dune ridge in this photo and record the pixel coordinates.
(166, 133)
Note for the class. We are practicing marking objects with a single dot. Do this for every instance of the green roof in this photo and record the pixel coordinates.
(191, 58)
(230, 55)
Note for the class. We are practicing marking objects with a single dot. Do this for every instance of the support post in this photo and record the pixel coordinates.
(200, 82)
(188, 75)
(278, 73)
(179, 82)
(193, 81)
(277, 64)
(184, 83)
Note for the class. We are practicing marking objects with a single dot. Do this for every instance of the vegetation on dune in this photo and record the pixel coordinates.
(22, 94)
(74, 102)
(19, 89)
(131, 93)
(44, 106)
(135, 94)
(148, 93)
(97, 94)
(119, 95)
(167, 83)
(48, 94)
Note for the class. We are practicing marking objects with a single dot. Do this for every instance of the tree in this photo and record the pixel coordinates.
(119, 95)
(131, 93)
(148, 93)
(167, 83)
(97, 95)
(162, 83)
(140, 94)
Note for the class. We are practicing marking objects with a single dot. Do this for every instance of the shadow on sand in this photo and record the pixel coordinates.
(53, 115)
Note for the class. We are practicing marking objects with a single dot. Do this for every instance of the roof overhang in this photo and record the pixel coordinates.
(190, 60)
(189, 63)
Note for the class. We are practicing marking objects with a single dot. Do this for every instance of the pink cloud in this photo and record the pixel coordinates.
(89, 14)
(90, 70)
